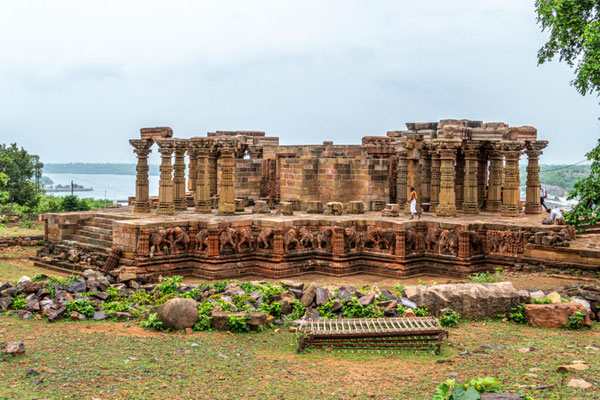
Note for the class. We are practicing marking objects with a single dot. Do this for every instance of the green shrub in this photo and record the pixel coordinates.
(169, 285)
(269, 290)
(82, 306)
(517, 314)
(238, 301)
(541, 301)
(249, 287)
(237, 323)
(18, 303)
(575, 320)
(483, 277)
(353, 309)
(451, 390)
(204, 319)
(325, 310)
(73, 203)
(449, 319)
(273, 309)
(218, 286)
(298, 310)
(421, 311)
(112, 307)
(152, 322)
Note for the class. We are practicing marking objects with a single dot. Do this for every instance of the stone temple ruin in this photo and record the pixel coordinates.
(250, 206)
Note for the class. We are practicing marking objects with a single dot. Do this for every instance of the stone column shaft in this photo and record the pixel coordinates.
(141, 149)
(459, 180)
(482, 175)
(179, 199)
(165, 189)
(191, 185)
(493, 201)
(414, 181)
(402, 179)
(532, 202)
(447, 201)
(202, 202)
(226, 190)
(426, 176)
(435, 180)
(471, 200)
(510, 193)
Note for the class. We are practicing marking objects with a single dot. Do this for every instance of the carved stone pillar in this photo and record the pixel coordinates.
(493, 201)
(192, 167)
(426, 175)
(471, 200)
(459, 180)
(510, 194)
(179, 199)
(141, 149)
(402, 179)
(165, 189)
(202, 202)
(435, 180)
(532, 203)
(414, 181)
(212, 172)
(482, 175)
(447, 202)
(226, 191)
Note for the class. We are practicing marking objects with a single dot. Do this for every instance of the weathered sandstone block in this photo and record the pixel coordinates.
(554, 315)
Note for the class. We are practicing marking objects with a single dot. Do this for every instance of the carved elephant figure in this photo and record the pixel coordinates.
(307, 239)
(476, 242)
(159, 242)
(290, 240)
(353, 239)
(226, 238)
(388, 240)
(412, 240)
(244, 236)
(179, 239)
(201, 240)
(265, 239)
(448, 242)
(372, 238)
(431, 239)
(324, 238)
(493, 243)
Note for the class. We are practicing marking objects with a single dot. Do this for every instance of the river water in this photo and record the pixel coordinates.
(111, 187)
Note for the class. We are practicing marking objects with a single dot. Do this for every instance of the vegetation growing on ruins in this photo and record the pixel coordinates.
(18, 169)
(587, 210)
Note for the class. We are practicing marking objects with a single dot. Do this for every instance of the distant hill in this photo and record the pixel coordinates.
(95, 169)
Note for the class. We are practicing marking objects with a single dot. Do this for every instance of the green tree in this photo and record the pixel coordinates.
(587, 210)
(574, 28)
(73, 203)
(19, 168)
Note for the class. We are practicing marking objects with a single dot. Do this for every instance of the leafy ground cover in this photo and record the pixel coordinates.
(21, 230)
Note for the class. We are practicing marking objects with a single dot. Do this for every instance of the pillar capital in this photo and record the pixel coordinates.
(166, 147)
(512, 149)
(471, 149)
(141, 146)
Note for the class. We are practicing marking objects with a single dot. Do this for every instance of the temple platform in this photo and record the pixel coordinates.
(230, 246)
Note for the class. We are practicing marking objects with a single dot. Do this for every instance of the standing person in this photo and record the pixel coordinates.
(543, 195)
(413, 203)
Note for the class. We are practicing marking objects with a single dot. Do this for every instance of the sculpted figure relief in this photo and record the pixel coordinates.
(226, 238)
(412, 241)
(505, 242)
(476, 242)
(179, 238)
(265, 239)
(448, 242)
(290, 240)
(324, 238)
(353, 239)
(307, 239)
(159, 243)
(432, 240)
(244, 238)
(201, 240)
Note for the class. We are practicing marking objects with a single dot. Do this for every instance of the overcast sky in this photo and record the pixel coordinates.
(79, 78)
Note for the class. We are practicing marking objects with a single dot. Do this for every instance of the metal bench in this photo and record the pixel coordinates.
(372, 333)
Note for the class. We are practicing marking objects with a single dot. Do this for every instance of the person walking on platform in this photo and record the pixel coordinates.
(413, 203)
(543, 195)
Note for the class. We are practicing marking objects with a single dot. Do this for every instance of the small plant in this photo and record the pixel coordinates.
(421, 311)
(269, 290)
(451, 390)
(204, 319)
(249, 287)
(113, 307)
(82, 306)
(449, 319)
(517, 314)
(153, 323)
(485, 277)
(273, 309)
(325, 310)
(238, 323)
(18, 303)
(353, 309)
(242, 302)
(575, 320)
(169, 285)
(541, 301)
(218, 286)
(298, 310)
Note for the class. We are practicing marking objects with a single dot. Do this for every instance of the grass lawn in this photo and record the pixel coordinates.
(120, 360)
(36, 229)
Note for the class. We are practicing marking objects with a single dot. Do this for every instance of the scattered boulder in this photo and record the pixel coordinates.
(220, 320)
(99, 316)
(537, 295)
(573, 367)
(409, 313)
(554, 297)
(404, 302)
(471, 300)
(78, 286)
(5, 302)
(178, 313)
(346, 291)
(554, 315)
(322, 296)
(14, 348)
(308, 294)
(579, 383)
(367, 300)
(57, 314)
(22, 281)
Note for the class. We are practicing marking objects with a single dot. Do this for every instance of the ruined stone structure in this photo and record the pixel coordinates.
(336, 209)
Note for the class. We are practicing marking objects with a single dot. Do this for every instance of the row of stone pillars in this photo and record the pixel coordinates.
(449, 182)
(172, 184)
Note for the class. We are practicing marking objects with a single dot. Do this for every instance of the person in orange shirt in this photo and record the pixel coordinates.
(413, 203)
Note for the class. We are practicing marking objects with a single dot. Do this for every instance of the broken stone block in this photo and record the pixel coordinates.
(314, 207)
(308, 294)
(554, 315)
(14, 348)
(391, 210)
(285, 208)
(334, 208)
(356, 207)
(260, 207)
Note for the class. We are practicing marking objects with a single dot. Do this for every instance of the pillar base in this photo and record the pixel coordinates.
(141, 207)
(510, 211)
(226, 209)
(204, 207)
(165, 209)
(493, 205)
(181, 204)
(470, 208)
(535, 208)
(445, 210)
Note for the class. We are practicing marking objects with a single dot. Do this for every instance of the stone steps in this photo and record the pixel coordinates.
(100, 243)
(95, 235)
